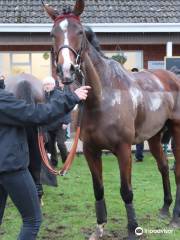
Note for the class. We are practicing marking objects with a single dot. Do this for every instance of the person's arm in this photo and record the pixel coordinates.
(53, 125)
(17, 112)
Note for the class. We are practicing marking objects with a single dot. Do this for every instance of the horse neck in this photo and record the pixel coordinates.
(92, 76)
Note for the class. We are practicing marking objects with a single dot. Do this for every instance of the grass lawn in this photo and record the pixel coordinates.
(69, 209)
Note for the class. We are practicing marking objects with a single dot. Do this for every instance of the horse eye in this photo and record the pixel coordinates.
(80, 32)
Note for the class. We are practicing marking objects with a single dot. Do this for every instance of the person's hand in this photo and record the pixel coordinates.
(82, 92)
(48, 87)
(2, 78)
(64, 126)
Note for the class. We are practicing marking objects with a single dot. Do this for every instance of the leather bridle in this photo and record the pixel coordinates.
(77, 67)
(77, 54)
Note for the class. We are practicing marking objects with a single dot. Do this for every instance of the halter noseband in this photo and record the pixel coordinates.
(77, 54)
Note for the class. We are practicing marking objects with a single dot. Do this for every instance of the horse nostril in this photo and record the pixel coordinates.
(72, 69)
(67, 81)
(59, 70)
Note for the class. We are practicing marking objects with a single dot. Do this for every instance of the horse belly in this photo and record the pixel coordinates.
(157, 111)
(149, 128)
(107, 133)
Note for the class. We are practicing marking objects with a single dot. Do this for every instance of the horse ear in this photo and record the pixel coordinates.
(79, 7)
(53, 13)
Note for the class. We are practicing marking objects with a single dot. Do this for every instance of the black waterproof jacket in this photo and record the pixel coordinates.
(63, 120)
(15, 115)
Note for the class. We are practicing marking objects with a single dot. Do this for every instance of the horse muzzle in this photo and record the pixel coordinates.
(67, 77)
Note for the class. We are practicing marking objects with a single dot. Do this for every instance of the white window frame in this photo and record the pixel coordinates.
(116, 51)
(25, 64)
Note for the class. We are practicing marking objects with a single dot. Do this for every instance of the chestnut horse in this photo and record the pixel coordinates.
(122, 109)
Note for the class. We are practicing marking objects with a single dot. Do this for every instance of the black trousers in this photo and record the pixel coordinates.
(21, 188)
(58, 136)
(139, 151)
(51, 147)
(61, 138)
(35, 158)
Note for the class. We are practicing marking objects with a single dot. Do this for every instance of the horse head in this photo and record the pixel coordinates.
(69, 41)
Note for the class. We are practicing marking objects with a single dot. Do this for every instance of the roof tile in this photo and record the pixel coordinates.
(101, 11)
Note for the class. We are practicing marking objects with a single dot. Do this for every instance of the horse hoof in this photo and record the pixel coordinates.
(98, 233)
(164, 213)
(94, 237)
(175, 223)
(41, 203)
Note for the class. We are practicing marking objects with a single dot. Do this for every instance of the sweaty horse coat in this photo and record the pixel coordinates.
(122, 108)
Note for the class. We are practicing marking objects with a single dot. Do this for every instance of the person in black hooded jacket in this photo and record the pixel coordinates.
(56, 132)
(15, 179)
(2, 85)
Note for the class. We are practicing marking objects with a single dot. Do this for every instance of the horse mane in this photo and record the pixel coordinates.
(92, 38)
(114, 65)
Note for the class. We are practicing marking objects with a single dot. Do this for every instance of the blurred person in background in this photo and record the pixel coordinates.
(140, 146)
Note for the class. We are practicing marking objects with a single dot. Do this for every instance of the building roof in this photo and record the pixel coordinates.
(96, 11)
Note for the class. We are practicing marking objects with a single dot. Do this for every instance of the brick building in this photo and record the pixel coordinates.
(141, 28)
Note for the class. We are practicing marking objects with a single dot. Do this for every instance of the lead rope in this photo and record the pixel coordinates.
(72, 153)
(69, 159)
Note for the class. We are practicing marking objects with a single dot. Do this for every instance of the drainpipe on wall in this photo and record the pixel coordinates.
(169, 49)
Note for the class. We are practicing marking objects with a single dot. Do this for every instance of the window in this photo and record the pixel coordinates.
(134, 58)
(36, 63)
(4, 64)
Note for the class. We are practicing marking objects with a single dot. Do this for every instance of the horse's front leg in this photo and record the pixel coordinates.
(123, 154)
(93, 157)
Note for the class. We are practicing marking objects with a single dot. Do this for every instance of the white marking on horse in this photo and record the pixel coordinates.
(64, 25)
(155, 101)
(136, 96)
(110, 98)
(65, 51)
(98, 233)
(116, 98)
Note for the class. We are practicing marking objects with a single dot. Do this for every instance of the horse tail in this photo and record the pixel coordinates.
(166, 133)
(24, 91)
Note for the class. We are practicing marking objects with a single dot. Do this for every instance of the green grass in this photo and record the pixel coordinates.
(69, 209)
